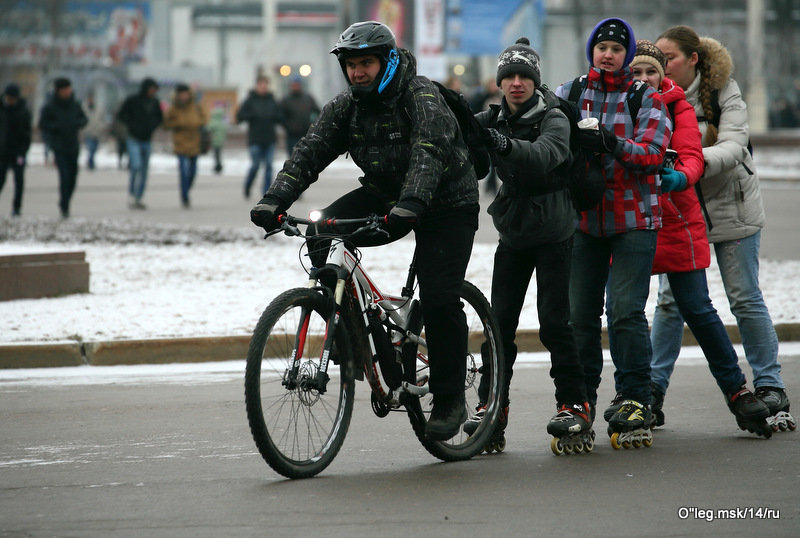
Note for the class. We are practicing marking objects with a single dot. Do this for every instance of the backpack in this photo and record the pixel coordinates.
(587, 188)
(716, 112)
(471, 130)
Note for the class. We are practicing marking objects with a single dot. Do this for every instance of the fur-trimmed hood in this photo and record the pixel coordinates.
(719, 61)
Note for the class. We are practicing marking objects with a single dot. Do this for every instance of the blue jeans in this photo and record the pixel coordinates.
(692, 303)
(623, 262)
(738, 265)
(188, 170)
(91, 147)
(138, 160)
(259, 154)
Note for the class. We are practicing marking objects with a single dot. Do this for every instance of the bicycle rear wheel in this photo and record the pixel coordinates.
(297, 425)
(484, 353)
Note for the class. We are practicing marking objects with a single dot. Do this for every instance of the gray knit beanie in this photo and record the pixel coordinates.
(521, 59)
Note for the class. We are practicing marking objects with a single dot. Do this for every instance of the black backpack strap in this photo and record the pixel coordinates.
(578, 85)
(635, 98)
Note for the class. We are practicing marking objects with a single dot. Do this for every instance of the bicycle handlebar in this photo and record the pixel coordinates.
(289, 223)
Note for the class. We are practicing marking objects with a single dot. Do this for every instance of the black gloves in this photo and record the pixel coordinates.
(265, 213)
(598, 140)
(403, 217)
(498, 140)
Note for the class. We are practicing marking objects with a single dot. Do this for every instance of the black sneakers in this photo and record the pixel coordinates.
(448, 413)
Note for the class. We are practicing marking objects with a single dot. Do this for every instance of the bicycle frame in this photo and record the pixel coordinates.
(368, 296)
(396, 311)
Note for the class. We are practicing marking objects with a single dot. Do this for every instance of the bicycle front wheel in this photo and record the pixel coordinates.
(484, 358)
(297, 417)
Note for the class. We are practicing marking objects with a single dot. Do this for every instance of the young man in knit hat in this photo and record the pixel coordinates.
(616, 240)
(534, 214)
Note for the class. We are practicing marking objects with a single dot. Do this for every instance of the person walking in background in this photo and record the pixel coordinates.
(616, 240)
(120, 135)
(682, 251)
(299, 111)
(218, 129)
(94, 130)
(702, 67)
(15, 140)
(534, 215)
(61, 120)
(141, 115)
(185, 118)
(262, 113)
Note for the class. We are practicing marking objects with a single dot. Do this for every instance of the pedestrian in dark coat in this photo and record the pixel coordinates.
(15, 139)
(141, 115)
(262, 114)
(61, 120)
(299, 111)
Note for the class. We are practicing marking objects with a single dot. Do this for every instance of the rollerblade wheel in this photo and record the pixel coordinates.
(588, 446)
(556, 446)
(615, 441)
(626, 444)
(647, 442)
(579, 447)
(636, 443)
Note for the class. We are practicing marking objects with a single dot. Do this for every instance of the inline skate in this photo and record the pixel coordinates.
(631, 426)
(750, 412)
(613, 406)
(497, 442)
(778, 403)
(571, 428)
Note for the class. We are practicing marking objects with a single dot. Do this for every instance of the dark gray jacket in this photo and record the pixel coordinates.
(407, 144)
(533, 206)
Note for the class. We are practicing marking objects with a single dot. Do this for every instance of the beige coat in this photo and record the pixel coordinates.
(185, 121)
(730, 182)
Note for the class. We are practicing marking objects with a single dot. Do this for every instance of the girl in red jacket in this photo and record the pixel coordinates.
(682, 251)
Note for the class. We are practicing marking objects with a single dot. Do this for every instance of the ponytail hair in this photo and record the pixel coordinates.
(689, 42)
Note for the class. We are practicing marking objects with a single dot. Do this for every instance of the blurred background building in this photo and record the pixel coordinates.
(107, 47)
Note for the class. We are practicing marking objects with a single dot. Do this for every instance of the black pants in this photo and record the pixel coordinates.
(513, 270)
(19, 180)
(444, 244)
(67, 164)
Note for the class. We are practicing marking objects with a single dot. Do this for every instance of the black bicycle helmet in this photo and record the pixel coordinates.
(361, 39)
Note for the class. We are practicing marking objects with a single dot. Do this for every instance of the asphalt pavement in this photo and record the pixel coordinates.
(157, 454)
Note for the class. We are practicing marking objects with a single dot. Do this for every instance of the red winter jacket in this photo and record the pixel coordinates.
(682, 243)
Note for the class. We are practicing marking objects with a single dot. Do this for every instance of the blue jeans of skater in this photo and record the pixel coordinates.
(17, 166)
(623, 262)
(188, 171)
(738, 266)
(259, 154)
(138, 161)
(91, 148)
(67, 164)
(690, 290)
(513, 269)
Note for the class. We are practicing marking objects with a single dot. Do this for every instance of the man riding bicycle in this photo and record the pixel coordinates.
(403, 136)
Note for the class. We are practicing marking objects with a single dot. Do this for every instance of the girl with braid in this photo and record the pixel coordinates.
(734, 216)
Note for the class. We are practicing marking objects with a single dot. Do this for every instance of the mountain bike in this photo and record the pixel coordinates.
(312, 343)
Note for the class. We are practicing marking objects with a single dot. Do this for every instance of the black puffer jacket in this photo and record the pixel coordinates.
(262, 113)
(15, 129)
(408, 145)
(141, 114)
(533, 206)
(60, 121)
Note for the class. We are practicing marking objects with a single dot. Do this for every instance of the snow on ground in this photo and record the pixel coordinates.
(190, 281)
